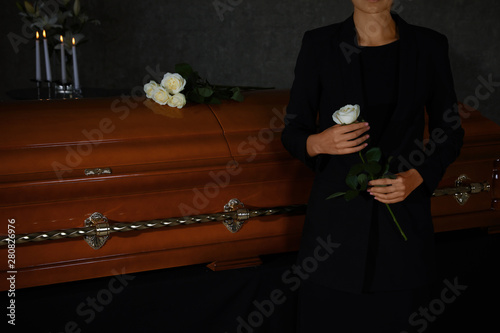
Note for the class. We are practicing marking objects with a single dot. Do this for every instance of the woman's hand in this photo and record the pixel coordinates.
(397, 189)
(338, 140)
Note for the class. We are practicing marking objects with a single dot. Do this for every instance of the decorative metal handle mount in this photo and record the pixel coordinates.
(463, 189)
(242, 214)
(97, 239)
(97, 229)
(97, 171)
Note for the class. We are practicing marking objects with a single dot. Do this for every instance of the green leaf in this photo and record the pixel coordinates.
(386, 169)
(334, 195)
(352, 181)
(185, 70)
(213, 100)
(237, 95)
(374, 154)
(363, 181)
(20, 7)
(76, 7)
(204, 91)
(351, 194)
(373, 168)
(192, 96)
(356, 169)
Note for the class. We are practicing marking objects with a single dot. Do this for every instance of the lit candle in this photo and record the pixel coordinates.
(47, 60)
(37, 51)
(63, 62)
(76, 79)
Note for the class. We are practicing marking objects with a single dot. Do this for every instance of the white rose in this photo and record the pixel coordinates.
(174, 83)
(177, 101)
(161, 96)
(346, 115)
(150, 88)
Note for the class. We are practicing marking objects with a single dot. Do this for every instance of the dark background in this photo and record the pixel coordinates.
(254, 43)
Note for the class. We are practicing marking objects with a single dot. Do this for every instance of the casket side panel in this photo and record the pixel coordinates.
(478, 162)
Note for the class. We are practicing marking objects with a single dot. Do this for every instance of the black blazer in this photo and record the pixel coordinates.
(372, 254)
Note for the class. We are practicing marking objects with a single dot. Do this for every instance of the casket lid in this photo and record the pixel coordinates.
(60, 138)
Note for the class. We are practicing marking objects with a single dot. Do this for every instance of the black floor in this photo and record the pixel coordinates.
(195, 299)
(473, 259)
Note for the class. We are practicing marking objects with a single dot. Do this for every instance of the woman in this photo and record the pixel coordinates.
(395, 72)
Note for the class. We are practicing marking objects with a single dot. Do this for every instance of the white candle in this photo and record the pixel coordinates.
(37, 51)
(63, 62)
(76, 79)
(47, 60)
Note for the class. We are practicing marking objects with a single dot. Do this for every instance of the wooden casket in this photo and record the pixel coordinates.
(161, 178)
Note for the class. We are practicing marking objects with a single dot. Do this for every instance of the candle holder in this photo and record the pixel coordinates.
(64, 89)
(38, 88)
(67, 90)
(40, 91)
(56, 90)
(49, 89)
(77, 93)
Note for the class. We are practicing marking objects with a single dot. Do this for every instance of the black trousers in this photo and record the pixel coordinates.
(322, 309)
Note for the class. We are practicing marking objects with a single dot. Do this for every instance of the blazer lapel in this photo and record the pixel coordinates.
(407, 67)
(406, 86)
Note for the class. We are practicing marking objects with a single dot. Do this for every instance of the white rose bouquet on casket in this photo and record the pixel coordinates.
(168, 91)
(196, 89)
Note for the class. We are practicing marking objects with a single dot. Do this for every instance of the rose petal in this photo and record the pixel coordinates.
(336, 119)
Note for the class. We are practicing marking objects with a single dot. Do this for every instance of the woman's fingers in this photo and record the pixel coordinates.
(349, 132)
(387, 190)
(353, 149)
(352, 130)
(356, 142)
(395, 190)
(381, 181)
(338, 140)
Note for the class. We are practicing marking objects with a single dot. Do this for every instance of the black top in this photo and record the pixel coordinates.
(380, 76)
(379, 72)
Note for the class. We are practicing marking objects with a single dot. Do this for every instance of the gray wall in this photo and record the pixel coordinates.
(254, 43)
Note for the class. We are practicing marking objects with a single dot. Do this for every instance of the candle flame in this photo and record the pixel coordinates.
(37, 35)
(73, 40)
(44, 36)
(61, 38)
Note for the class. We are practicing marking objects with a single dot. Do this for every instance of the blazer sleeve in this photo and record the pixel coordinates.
(302, 109)
(445, 130)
